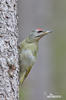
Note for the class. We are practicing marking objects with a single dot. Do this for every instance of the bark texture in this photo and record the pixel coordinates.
(8, 51)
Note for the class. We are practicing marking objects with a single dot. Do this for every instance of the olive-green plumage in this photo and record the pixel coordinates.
(28, 52)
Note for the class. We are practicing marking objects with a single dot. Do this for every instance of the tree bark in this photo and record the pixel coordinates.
(8, 51)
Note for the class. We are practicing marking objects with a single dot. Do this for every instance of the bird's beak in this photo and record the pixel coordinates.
(45, 33)
(48, 31)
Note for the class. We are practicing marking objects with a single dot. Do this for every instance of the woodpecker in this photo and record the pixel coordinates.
(28, 50)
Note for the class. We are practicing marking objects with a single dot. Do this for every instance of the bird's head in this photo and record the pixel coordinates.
(37, 34)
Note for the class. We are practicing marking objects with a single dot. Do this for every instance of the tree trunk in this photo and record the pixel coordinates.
(8, 51)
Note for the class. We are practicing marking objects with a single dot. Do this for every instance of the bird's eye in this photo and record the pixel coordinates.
(39, 31)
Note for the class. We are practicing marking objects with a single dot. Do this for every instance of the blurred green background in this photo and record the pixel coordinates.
(48, 75)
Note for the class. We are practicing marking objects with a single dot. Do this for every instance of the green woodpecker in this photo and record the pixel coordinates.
(28, 52)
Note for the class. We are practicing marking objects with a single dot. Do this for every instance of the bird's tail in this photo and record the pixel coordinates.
(24, 75)
(22, 78)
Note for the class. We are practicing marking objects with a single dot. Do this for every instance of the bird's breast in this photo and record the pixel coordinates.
(28, 59)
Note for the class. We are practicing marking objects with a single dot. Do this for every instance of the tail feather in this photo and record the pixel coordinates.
(22, 78)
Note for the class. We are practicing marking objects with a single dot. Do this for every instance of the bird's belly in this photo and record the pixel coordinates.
(28, 59)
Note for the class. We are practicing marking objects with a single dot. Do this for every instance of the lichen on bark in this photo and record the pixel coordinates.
(8, 51)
